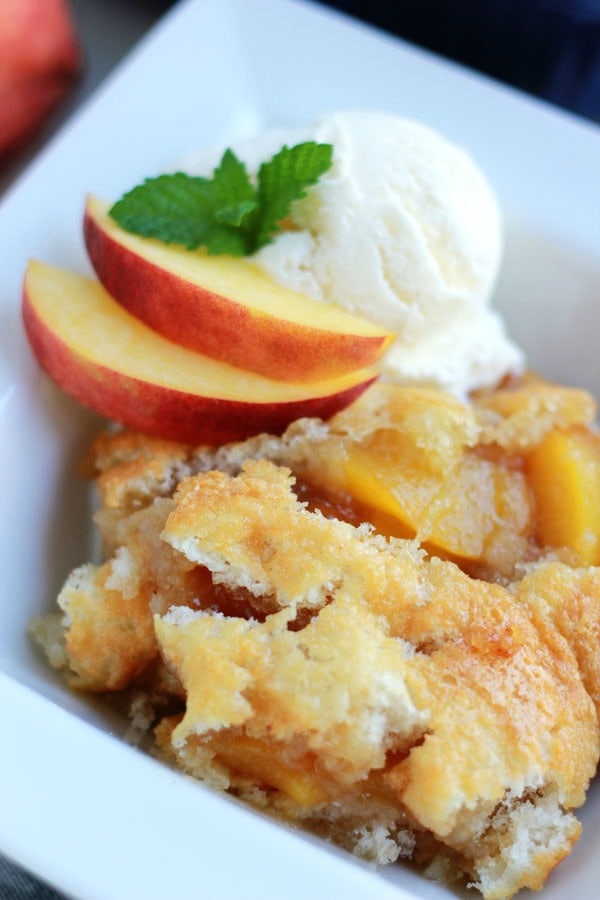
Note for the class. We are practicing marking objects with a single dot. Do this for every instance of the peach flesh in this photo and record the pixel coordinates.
(226, 307)
(109, 361)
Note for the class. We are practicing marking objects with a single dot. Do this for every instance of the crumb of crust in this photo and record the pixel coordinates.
(519, 416)
(113, 449)
(108, 609)
(411, 411)
(132, 479)
(109, 638)
(49, 633)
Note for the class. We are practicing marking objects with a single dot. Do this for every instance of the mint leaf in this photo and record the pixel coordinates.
(235, 215)
(225, 214)
(285, 179)
(233, 193)
(177, 209)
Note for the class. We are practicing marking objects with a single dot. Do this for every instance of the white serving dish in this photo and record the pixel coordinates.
(78, 805)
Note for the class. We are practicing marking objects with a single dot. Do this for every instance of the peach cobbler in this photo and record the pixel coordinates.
(383, 627)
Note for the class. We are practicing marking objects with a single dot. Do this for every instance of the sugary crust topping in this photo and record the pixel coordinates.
(478, 649)
(363, 685)
(339, 685)
(264, 539)
(517, 417)
(568, 600)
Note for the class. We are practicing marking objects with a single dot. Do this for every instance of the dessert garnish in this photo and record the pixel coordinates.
(228, 213)
(226, 307)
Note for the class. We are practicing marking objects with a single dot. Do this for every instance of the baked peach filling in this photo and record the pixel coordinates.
(266, 763)
(461, 504)
(563, 473)
(260, 602)
(477, 503)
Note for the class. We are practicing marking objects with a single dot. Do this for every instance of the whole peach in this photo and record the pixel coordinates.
(39, 59)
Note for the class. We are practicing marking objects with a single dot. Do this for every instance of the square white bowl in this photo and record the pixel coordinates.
(78, 805)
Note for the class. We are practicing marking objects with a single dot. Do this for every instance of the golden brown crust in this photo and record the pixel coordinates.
(568, 601)
(110, 638)
(517, 417)
(500, 697)
(132, 469)
(365, 687)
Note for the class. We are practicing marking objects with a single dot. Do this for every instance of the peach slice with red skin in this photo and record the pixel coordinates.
(111, 362)
(226, 307)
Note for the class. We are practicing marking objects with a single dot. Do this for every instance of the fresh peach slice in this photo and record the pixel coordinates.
(110, 361)
(564, 475)
(226, 307)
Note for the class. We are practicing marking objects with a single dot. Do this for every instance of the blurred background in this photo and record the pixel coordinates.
(548, 48)
(54, 53)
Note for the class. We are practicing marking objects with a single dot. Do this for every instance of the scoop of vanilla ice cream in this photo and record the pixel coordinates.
(405, 231)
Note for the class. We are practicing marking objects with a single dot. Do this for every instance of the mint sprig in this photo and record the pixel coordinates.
(228, 213)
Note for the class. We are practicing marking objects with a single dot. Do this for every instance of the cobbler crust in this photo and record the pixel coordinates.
(354, 682)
